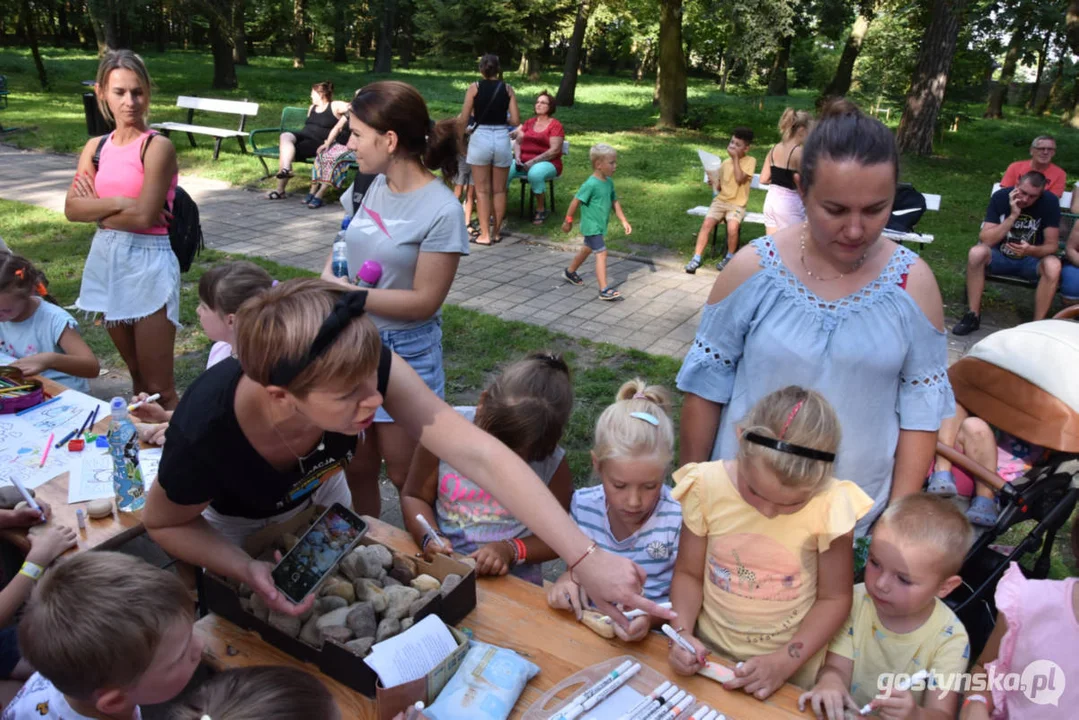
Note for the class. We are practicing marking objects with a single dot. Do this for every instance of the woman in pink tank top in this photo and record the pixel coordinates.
(131, 275)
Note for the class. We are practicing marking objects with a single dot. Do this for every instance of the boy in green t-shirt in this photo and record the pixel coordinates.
(596, 199)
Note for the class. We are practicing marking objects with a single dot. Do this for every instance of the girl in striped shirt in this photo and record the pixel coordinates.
(631, 512)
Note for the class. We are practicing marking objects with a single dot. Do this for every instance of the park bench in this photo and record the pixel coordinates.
(1065, 207)
(228, 107)
(550, 187)
(932, 202)
(292, 120)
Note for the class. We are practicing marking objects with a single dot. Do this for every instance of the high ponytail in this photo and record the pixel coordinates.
(637, 425)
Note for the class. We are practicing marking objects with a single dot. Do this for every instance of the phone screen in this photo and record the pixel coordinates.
(328, 540)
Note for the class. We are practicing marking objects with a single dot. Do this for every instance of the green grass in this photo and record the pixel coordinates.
(658, 177)
(476, 346)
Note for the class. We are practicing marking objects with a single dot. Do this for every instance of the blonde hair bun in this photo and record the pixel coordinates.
(622, 432)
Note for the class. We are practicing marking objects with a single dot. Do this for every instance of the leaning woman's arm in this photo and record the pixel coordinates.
(430, 285)
(914, 453)
(501, 472)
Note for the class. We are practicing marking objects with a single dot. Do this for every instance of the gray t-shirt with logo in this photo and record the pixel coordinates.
(394, 228)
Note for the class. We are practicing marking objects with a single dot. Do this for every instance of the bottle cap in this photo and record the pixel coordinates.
(370, 272)
(118, 407)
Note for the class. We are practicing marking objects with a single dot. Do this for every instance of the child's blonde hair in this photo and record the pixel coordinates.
(95, 621)
(601, 150)
(932, 522)
(791, 121)
(257, 693)
(638, 424)
(797, 417)
(528, 405)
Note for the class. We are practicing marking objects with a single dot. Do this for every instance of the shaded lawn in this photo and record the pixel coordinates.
(658, 176)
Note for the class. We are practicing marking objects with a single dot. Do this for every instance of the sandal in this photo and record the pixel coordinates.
(540, 217)
(284, 174)
(315, 203)
(609, 294)
(308, 198)
(274, 195)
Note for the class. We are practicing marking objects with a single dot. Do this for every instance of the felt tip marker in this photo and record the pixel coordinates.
(917, 677)
(580, 700)
(430, 531)
(639, 613)
(414, 711)
(646, 700)
(664, 702)
(681, 641)
(153, 398)
(700, 713)
(26, 495)
(603, 694)
(680, 707)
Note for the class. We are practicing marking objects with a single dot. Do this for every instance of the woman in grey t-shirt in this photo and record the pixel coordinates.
(411, 224)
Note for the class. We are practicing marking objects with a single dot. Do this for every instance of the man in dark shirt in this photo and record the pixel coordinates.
(1019, 237)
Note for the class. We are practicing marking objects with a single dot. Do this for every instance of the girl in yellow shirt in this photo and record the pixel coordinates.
(765, 563)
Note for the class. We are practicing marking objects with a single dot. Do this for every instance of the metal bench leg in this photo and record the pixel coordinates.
(550, 183)
(191, 139)
(217, 148)
(715, 233)
(522, 198)
(265, 167)
(243, 145)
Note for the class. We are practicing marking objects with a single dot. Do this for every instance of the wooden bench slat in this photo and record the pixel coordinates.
(235, 107)
(200, 129)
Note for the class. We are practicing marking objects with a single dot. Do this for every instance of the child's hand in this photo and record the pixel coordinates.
(150, 412)
(50, 544)
(494, 558)
(567, 595)
(566, 225)
(763, 675)
(627, 228)
(680, 659)
(32, 364)
(25, 516)
(433, 548)
(828, 699)
(153, 433)
(897, 705)
(637, 631)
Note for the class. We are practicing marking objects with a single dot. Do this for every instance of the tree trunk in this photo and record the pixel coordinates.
(104, 21)
(1032, 101)
(777, 81)
(340, 31)
(671, 74)
(1072, 117)
(724, 72)
(1071, 22)
(29, 28)
(299, 33)
(1052, 98)
(844, 71)
(930, 78)
(384, 49)
(239, 32)
(567, 89)
(224, 65)
(999, 94)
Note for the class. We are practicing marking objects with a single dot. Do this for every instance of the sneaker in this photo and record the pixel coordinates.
(942, 483)
(692, 265)
(608, 294)
(572, 277)
(723, 263)
(968, 324)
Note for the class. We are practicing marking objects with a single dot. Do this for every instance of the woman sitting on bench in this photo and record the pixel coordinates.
(322, 117)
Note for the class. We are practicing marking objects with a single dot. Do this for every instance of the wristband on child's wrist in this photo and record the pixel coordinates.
(32, 570)
(569, 219)
(974, 698)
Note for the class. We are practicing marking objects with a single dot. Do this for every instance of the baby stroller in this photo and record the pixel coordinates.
(1022, 381)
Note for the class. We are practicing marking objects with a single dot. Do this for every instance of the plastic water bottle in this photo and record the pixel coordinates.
(340, 256)
(369, 274)
(124, 448)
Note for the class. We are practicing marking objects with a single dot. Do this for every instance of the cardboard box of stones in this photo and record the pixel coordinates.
(374, 594)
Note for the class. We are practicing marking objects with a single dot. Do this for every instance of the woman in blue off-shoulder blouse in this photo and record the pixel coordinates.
(829, 304)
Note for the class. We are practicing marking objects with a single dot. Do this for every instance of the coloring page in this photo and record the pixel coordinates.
(93, 480)
(21, 458)
(66, 413)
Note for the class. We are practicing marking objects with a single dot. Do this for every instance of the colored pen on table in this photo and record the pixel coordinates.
(93, 420)
(153, 398)
(38, 406)
(77, 431)
(596, 688)
(428, 530)
(638, 613)
(700, 713)
(679, 708)
(669, 699)
(14, 388)
(646, 700)
(48, 447)
(651, 706)
(27, 496)
(712, 715)
(603, 694)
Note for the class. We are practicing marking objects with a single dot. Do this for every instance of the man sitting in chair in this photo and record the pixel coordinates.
(1019, 238)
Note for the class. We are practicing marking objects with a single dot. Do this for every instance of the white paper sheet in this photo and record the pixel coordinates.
(412, 654)
(91, 475)
(68, 412)
(6, 359)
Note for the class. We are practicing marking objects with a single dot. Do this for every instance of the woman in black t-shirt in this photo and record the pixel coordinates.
(264, 435)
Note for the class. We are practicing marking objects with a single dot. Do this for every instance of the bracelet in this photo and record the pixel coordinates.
(516, 560)
(31, 570)
(522, 551)
(974, 698)
(591, 549)
(569, 219)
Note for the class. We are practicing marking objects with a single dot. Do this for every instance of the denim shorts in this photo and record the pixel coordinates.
(595, 243)
(1069, 281)
(490, 145)
(421, 348)
(1024, 267)
(464, 172)
(129, 276)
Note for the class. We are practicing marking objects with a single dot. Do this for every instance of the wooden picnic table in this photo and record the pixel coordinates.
(105, 533)
(511, 613)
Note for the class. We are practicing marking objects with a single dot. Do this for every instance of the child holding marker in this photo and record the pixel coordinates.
(527, 408)
(631, 512)
(222, 290)
(898, 623)
(43, 337)
(765, 565)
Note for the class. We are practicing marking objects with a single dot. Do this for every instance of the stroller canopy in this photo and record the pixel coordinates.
(1025, 381)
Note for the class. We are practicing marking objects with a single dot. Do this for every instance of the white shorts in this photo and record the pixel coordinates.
(237, 529)
(783, 207)
(490, 145)
(129, 276)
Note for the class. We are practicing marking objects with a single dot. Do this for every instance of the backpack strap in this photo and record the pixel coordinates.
(97, 152)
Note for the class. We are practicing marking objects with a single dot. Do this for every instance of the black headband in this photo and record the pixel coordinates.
(348, 306)
(791, 448)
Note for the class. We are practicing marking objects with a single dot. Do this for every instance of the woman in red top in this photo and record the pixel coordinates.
(539, 151)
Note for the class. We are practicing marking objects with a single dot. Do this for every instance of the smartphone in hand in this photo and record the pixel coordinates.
(317, 553)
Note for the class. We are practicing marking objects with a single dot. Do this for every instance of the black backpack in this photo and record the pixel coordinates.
(907, 210)
(185, 230)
